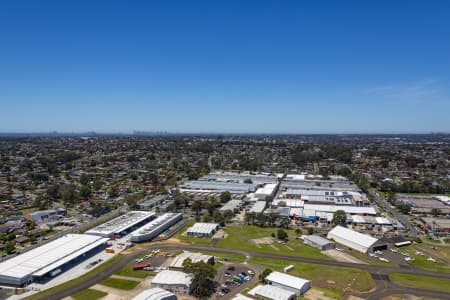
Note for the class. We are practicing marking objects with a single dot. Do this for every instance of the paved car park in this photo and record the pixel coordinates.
(233, 278)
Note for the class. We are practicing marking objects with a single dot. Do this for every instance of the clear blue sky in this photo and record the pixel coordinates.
(225, 66)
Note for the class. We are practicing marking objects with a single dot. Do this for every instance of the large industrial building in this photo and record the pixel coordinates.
(199, 186)
(174, 281)
(355, 240)
(155, 227)
(288, 282)
(122, 225)
(203, 229)
(155, 294)
(255, 178)
(47, 261)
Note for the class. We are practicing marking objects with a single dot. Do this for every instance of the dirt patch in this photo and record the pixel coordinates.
(220, 234)
(314, 294)
(263, 241)
(341, 256)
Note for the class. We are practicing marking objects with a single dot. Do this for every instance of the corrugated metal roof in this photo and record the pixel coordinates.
(50, 256)
(287, 280)
(172, 277)
(272, 292)
(353, 236)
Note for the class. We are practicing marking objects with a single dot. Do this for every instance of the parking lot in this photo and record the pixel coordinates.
(234, 278)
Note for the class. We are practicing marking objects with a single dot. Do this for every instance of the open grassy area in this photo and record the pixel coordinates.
(333, 281)
(76, 281)
(240, 237)
(89, 294)
(421, 282)
(129, 272)
(422, 262)
(121, 284)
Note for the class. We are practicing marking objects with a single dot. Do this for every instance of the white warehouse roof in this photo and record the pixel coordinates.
(50, 256)
(170, 277)
(351, 238)
(272, 292)
(177, 262)
(204, 228)
(155, 294)
(287, 280)
(121, 223)
(155, 227)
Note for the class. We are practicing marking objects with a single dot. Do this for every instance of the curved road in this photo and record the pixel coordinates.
(378, 273)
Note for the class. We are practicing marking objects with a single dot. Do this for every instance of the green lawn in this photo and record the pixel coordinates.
(421, 282)
(121, 284)
(333, 281)
(76, 281)
(89, 294)
(422, 262)
(129, 272)
(240, 237)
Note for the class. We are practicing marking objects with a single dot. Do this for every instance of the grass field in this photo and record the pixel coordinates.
(128, 271)
(333, 281)
(421, 282)
(121, 284)
(422, 262)
(240, 237)
(76, 281)
(89, 294)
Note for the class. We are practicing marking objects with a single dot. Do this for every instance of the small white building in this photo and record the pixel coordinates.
(155, 294)
(288, 282)
(203, 229)
(355, 240)
(272, 292)
(174, 281)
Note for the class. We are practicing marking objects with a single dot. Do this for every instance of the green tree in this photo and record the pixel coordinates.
(435, 212)
(203, 278)
(10, 247)
(225, 197)
(404, 208)
(264, 274)
(30, 225)
(339, 217)
(197, 206)
(282, 235)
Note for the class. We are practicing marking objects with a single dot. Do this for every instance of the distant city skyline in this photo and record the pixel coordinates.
(289, 67)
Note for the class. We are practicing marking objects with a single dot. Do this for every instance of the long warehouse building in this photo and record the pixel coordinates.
(155, 227)
(123, 225)
(47, 261)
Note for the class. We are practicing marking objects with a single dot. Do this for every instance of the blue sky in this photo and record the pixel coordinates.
(225, 66)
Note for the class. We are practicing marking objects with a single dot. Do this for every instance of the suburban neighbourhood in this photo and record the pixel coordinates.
(232, 217)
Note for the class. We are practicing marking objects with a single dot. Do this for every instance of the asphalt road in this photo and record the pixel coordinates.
(400, 217)
(384, 287)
